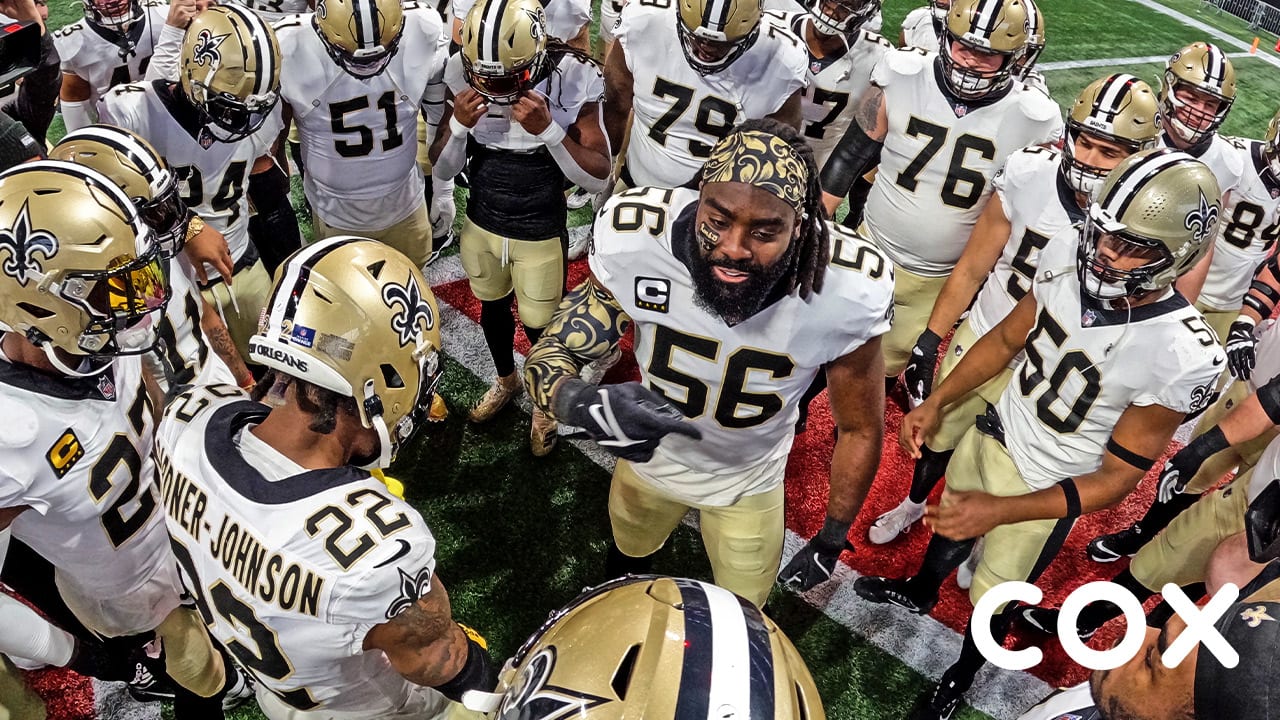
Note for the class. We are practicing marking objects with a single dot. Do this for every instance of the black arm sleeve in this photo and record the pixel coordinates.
(274, 227)
(38, 94)
(853, 156)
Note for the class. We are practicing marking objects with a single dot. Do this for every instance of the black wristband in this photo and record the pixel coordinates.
(849, 159)
(929, 340)
(1269, 398)
(1207, 445)
(1072, 496)
(477, 673)
(1265, 305)
(566, 398)
(834, 533)
(1132, 458)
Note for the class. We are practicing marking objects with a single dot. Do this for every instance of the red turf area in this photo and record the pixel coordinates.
(69, 697)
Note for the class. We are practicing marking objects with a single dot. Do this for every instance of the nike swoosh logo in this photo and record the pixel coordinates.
(1218, 361)
(404, 550)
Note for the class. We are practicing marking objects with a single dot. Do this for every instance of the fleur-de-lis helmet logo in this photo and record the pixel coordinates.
(1202, 220)
(411, 307)
(322, 10)
(206, 52)
(22, 244)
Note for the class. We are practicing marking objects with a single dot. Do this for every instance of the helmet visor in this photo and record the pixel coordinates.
(167, 216)
(503, 89)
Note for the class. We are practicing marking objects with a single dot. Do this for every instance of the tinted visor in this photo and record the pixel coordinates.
(504, 89)
(131, 288)
(167, 217)
(238, 117)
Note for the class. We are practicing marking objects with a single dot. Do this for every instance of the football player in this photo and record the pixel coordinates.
(338, 612)
(355, 82)
(736, 311)
(941, 126)
(841, 55)
(190, 328)
(273, 11)
(215, 129)
(111, 45)
(567, 20)
(734, 64)
(922, 27)
(1089, 383)
(84, 284)
(524, 118)
(642, 631)
(1038, 193)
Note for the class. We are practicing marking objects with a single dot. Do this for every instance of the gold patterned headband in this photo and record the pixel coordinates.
(763, 160)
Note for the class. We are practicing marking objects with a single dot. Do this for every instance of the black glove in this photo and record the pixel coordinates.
(94, 659)
(1241, 349)
(1186, 463)
(924, 358)
(816, 561)
(627, 419)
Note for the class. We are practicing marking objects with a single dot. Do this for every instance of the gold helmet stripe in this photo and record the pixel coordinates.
(491, 31)
(726, 635)
(1139, 174)
(365, 14)
(264, 58)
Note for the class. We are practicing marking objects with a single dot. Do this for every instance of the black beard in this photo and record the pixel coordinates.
(735, 302)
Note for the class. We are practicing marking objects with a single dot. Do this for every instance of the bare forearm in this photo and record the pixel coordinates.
(215, 332)
(436, 663)
(853, 468)
(983, 361)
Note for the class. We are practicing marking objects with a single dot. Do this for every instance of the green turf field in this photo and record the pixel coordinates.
(518, 536)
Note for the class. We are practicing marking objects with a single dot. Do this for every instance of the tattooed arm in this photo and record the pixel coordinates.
(215, 332)
(858, 150)
(587, 326)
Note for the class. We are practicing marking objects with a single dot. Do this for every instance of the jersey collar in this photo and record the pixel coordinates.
(1195, 151)
(224, 455)
(968, 105)
(1067, 196)
(1100, 315)
(127, 42)
(93, 387)
(183, 112)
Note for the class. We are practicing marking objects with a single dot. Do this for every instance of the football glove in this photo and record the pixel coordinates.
(1184, 465)
(814, 563)
(627, 419)
(1241, 349)
(924, 358)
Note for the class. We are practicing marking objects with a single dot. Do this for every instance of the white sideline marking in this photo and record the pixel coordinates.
(1223, 38)
(1110, 62)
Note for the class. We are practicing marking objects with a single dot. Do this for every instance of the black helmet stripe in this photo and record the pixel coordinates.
(726, 648)
(985, 16)
(491, 31)
(364, 13)
(1113, 92)
(1215, 71)
(715, 14)
(1128, 185)
(283, 303)
(122, 142)
(263, 60)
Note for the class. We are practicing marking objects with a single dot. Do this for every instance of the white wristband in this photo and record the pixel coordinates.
(553, 135)
(457, 128)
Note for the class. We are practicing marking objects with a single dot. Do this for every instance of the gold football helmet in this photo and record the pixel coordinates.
(356, 317)
(133, 165)
(1118, 108)
(988, 26)
(848, 18)
(230, 70)
(1161, 200)
(647, 647)
(360, 35)
(81, 273)
(504, 48)
(714, 33)
(1271, 146)
(1035, 40)
(1203, 68)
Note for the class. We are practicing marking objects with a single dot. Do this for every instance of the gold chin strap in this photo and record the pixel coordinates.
(763, 160)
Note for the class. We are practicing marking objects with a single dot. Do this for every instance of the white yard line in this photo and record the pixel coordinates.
(1110, 62)
(923, 643)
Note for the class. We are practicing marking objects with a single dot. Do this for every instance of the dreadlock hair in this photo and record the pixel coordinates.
(321, 404)
(811, 251)
(556, 51)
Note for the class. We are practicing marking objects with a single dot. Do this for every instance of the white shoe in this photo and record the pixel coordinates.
(593, 372)
(964, 573)
(578, 199)
(579, 241)
(897, 521)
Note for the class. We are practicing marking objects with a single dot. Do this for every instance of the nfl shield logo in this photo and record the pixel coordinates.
(1088, 318)
(961, 110)
(815, 67)
(107, 387)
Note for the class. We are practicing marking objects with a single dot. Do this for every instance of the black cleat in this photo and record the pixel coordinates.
(1116, 545)
(148, 687)
(1044, 622)
(941, 704)
(890, 591)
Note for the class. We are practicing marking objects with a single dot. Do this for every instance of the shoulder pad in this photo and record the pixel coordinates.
(877, 39)
(1037, 106)
(69, 40)
(290, 21)
(427, 20)
(21, 424)
(907, 61)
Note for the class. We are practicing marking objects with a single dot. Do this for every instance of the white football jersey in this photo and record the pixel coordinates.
(1085, 365)
(1266, 354)
(678, 114)
(77, 451)
(1039, 205)
(184, 351)
(1073, 703)
(359, 136)
(212, 176)
(919, 31)
(274, 11)
(291, 568)
(1247, 230)
(832, 87)
(574, 84)
(739, 385)
(565, 18)
(939, 157)
(91, 53)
